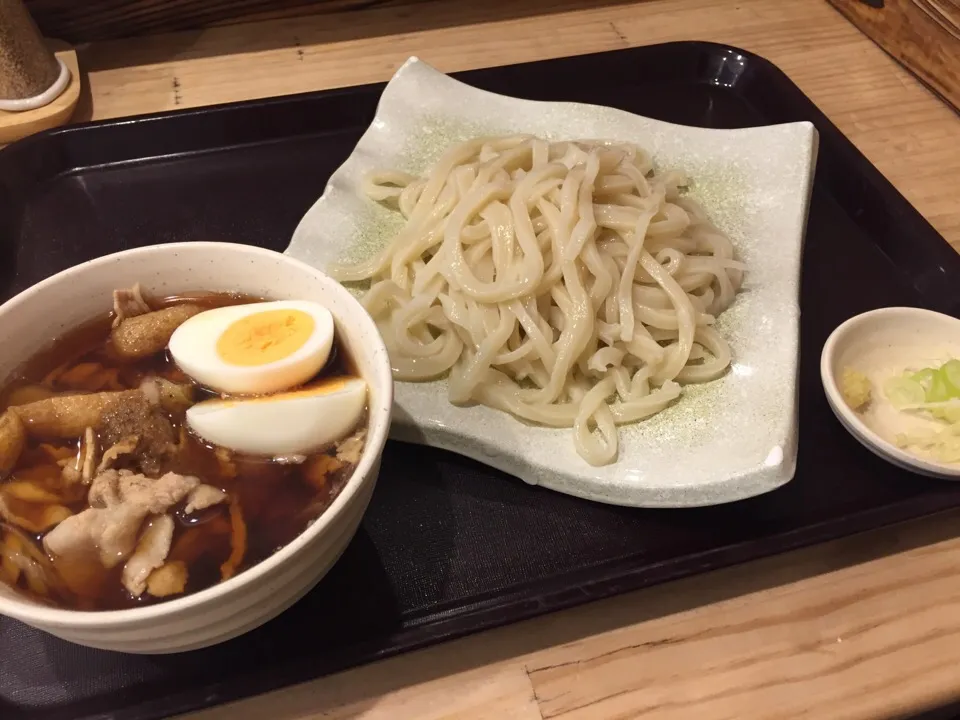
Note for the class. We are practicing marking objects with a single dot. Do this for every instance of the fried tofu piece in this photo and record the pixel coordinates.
(144, 335)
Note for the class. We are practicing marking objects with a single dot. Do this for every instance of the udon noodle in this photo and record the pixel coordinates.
(566, 283)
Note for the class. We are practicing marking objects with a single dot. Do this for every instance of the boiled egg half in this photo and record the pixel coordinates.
(290, 423)
(256, 348)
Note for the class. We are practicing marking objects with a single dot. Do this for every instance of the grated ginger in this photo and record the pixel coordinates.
(855, 388)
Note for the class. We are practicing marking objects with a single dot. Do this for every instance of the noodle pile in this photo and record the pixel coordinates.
(565, 283)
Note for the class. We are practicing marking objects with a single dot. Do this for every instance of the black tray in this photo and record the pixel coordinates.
(449, 546)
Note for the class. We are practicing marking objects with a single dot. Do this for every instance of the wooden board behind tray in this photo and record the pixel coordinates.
(923, 35)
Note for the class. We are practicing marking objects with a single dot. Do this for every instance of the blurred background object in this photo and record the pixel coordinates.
(39, 80)
(92, 20)
(922, 35)
(97, 20)
(27, 66)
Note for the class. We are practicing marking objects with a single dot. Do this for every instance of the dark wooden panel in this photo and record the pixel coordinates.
(923, 35)
(84, 20)
(80, 21)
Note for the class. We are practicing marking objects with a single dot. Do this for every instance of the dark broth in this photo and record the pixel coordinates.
(277, 500)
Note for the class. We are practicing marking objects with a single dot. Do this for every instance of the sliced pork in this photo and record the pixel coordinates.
(128, 303)
(120, 502)
(203, 497)
(151, 552)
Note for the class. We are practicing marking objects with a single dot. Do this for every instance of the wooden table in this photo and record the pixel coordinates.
(861, 628)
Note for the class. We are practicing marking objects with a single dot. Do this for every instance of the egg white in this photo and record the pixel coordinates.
(293, 423)
(193, 347)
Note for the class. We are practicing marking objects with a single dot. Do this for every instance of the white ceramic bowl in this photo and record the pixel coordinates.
(33, 318)
(904, 335)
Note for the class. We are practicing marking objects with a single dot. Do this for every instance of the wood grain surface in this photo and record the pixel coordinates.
(922, 34)
(861, 628)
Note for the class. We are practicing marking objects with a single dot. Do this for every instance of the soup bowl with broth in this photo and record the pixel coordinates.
(260, 477)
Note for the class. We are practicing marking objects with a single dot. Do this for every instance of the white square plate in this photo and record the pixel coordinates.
(722, 441)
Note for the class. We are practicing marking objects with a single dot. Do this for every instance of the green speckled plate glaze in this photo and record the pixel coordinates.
(722, 441)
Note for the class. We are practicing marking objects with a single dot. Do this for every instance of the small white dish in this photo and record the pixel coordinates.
(887, 340)
(64, 301)
(723, 441)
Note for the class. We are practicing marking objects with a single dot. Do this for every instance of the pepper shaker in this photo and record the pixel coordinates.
(38, 88)
(30, 74)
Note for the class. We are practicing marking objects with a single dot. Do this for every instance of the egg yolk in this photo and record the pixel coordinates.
(327, 386)
(265, 337)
